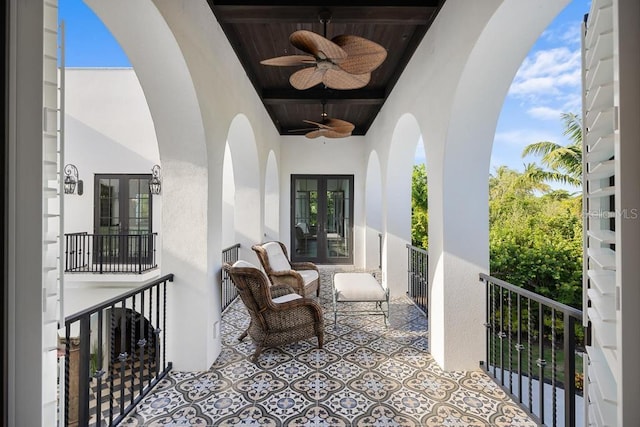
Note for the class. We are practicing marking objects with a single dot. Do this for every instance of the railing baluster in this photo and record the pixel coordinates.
(519, 348)
(99, 373)
(83, 374)
(112, 361)
(510, 344)
(530, 353)
(554, 369)
(569, 346)
(541, 360)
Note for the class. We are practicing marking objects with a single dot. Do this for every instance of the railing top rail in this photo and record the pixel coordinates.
(84, 233)
(237, 245)
(100, 306)
(571, 311)
(417, 249)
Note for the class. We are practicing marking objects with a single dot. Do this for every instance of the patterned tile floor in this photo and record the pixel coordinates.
(366, 375)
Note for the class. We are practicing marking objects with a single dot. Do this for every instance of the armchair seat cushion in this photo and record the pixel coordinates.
(286, 298)
(308, 276)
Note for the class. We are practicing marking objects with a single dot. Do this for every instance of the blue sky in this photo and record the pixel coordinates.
(547, 83)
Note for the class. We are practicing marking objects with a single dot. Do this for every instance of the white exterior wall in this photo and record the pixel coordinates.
(108, 129)
(300, 155)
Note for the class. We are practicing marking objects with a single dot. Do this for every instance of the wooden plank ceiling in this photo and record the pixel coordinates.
(260, 30)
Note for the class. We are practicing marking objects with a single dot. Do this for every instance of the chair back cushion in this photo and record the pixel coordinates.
(277, 260)
(303, 227)
(243, 264)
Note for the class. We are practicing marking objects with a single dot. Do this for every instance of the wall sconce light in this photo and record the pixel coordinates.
(71, 180)
(155, 185)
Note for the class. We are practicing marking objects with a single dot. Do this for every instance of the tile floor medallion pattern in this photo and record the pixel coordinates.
(366, 375)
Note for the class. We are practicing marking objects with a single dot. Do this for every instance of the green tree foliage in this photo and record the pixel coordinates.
(419, 207)
(535, 236)
(564, 162)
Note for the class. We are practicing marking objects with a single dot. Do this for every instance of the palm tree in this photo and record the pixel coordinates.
(564, 161)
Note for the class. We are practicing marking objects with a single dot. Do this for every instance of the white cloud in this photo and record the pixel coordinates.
(523, 137)
(566, 34)
(545, 113)
(548, 72)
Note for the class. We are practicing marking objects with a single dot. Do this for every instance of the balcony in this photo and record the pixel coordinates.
(366, 374)
(110, 253)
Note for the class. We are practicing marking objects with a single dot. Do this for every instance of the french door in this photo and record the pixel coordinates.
(322, 218)
(122, 223)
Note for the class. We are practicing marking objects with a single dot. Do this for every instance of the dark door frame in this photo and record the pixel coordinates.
(123, 249)
(321, 240)
(4, 110)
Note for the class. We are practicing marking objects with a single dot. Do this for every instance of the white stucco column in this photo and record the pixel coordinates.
(458, 182)
(166, 81)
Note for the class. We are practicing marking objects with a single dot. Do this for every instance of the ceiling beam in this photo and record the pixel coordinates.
(315, 96)
(391, 14)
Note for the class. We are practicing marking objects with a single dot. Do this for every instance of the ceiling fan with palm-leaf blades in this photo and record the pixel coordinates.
(344, 62)
(328, 127)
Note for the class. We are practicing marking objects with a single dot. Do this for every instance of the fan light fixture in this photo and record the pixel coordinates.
(155, 185)
(71, 180)
(328, 127)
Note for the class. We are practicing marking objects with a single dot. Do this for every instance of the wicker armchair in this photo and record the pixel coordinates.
(303, 277)
(278, 315)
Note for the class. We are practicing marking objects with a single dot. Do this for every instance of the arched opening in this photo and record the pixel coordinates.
(271, 199)
(373, 221)
(242, 195)
(404, 141)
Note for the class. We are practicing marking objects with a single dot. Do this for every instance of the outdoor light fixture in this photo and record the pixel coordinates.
(155, 185)
(71, 180)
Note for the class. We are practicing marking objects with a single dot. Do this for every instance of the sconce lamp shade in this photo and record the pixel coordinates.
(155, 185)
(70, 179)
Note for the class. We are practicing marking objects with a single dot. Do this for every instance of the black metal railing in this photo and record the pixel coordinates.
(229, 291)
(110, 253)
(379, 251)
(534, 351)
(418, 277)
(115, 354)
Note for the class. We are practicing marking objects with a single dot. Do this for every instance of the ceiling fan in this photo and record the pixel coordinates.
(344, 62)
(328, 127)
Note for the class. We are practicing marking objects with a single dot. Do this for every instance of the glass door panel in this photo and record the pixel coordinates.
(338, 223)
(305, 218)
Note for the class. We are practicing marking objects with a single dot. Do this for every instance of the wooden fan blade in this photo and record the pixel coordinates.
(320, 125)
(341, 80)
(290, 60)
(363, 56)
(302, 129)
(313, 134)
(327, 133)
(306, 78)
(340, 126)
(317, 45)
